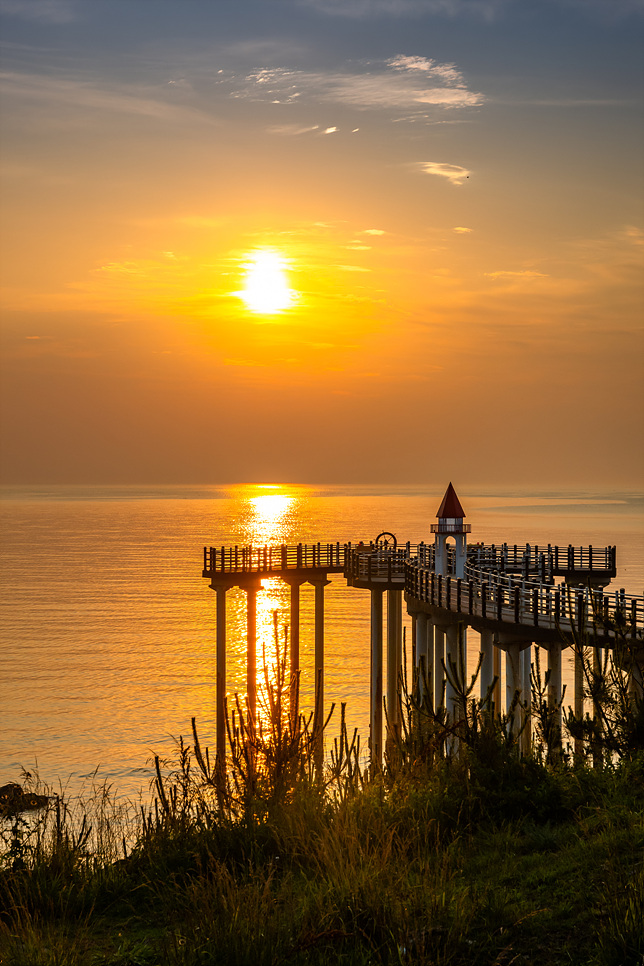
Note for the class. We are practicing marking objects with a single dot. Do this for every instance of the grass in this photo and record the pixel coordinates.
(479, 856)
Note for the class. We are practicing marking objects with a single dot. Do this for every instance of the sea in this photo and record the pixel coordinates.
(107, 637)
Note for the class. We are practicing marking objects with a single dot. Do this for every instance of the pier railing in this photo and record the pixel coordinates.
(378, 562)
(233, 561)
(510, 584)
(508, 599)
(548, 562)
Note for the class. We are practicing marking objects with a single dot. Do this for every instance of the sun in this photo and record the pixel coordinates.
(266, 288)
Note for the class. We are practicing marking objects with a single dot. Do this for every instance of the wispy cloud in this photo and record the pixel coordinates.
(479, 9)
(46, 11)
(402, 83)
(523, 274)
(462, 231)
(48, 90)
(293, 130)
(453, 172)
(485, 10)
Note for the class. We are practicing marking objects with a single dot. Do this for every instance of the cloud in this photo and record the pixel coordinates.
(330, 130)
(425, 65)
(523, 274)
(462, 231)
(293, 130)
(402, 83)
(78, 94)
(45, 11)
(474, 9)
(453, 172)
(373, 231)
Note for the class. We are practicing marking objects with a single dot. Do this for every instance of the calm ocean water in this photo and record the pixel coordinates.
(108, 628)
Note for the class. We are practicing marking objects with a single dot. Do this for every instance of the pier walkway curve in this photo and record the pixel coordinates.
(513, 597)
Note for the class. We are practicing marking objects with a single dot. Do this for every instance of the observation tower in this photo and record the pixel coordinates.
(450, 524)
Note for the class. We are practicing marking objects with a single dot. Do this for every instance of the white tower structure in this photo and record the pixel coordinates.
(450, 524)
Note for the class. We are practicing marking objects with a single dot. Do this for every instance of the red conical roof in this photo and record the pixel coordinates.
(450, 507)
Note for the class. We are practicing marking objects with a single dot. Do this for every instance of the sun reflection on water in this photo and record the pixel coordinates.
(268, 521)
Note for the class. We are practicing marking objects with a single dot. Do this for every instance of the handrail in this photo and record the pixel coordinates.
(507, 584)
(527, 602)
(232, 561)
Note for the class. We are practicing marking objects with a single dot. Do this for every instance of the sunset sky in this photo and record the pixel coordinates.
(322, 241)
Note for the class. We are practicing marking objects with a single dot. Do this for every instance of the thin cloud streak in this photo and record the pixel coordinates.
(43, 11)
(475, 9)
(79, 94)
(401, 83)
(453, 172)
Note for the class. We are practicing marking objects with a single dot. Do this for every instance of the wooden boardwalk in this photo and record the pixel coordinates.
(513, 596)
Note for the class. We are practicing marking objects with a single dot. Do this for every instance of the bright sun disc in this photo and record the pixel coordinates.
(266, 288)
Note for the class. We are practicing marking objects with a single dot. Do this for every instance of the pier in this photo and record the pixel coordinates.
(514, 597)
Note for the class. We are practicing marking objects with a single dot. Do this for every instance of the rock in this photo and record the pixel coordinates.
(14, 799)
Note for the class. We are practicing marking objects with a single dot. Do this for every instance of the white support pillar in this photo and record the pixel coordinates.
(526, 685)
(221, 675)
(439, 673)
(295, 647)
(251, 651)
(512, 682)
(414, 641)
(452, 661)
(394, 653)
(430, 669)
(487, 664)
(420, 628)
(424, 652)
(319, 585)
(554, 685)
(637, 681)
(579, 698)
(375, 717)
(496, 694)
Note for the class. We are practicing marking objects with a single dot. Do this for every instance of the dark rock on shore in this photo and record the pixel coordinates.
(14, 799)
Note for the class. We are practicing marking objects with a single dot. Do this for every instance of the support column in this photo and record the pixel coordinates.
(375, 722)
(598, 668)
(487, 666)
(512, 683)
(394, 653)
(554, 685)
(430, 667)
(251, 652)
(526, 684)
(295, 648)
(414, 634)
(496, 694)
(221, 676)
(579, 695)
(439, 673)
(425, 655)
(637, 681)
(453, 665)
(420, 624)
(420, 650)
(319, 650)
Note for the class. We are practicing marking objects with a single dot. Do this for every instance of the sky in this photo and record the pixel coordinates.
(318, 241)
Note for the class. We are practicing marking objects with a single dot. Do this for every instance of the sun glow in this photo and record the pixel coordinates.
(266, 288)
